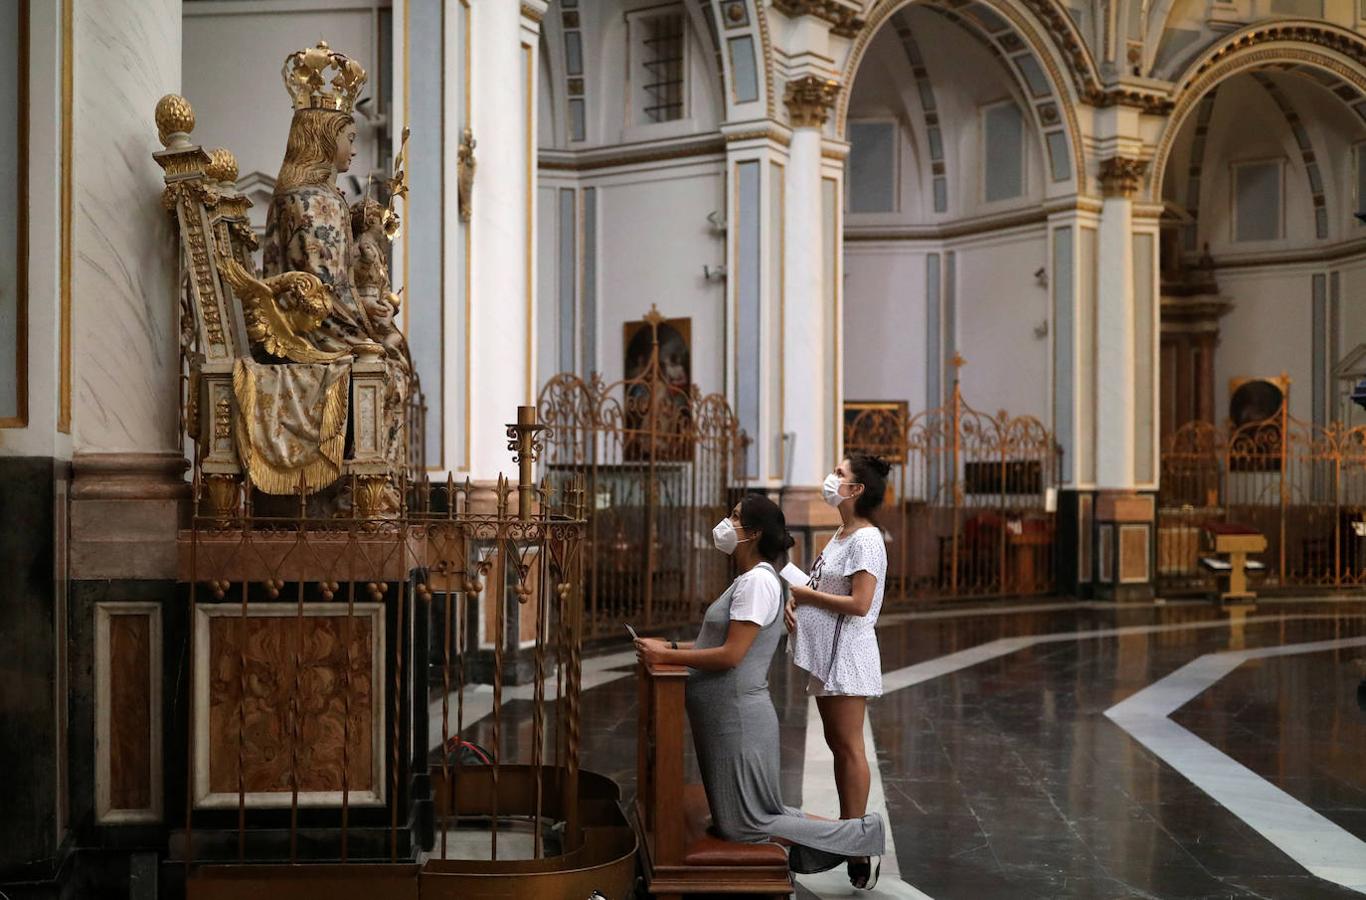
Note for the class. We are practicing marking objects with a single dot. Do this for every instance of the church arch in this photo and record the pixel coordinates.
(1018, 41)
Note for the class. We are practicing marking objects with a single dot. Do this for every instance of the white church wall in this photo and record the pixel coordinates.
(884, 322)
(998, 304)
(1268, 331)
(653, 241)
(1230, 143)
(232, 54)
(611, 36)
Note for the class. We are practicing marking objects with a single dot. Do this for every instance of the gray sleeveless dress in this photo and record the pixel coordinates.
(735, 731)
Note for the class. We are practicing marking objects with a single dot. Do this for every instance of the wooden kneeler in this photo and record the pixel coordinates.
(679, 855)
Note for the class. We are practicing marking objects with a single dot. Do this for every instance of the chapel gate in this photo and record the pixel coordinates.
(1301, 485)
(661, 464)
(965, 503)
(314, 756)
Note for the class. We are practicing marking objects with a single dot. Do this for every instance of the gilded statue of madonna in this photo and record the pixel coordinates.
(309, 228)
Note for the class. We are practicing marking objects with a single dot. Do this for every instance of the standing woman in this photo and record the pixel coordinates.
(734, 724)
(832, 621)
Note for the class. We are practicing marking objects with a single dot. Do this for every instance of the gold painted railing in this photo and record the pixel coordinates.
(659, 462)
(965, 507)
(1300, 484)
(325, 694)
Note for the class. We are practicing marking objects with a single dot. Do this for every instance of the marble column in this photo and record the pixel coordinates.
(124, 330)
(504, 39)
(756, 167)
(1125, 379)
(1115, 345)
(811, 243)
(125, 421)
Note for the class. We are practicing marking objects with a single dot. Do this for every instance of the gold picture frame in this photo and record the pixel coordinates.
(878, 426)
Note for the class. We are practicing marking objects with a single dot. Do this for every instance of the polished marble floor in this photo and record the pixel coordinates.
(1055, 750)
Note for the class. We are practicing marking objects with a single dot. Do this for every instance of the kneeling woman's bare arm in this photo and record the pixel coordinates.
(739, 637)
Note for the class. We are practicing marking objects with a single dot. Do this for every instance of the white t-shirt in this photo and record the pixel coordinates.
(758, 596)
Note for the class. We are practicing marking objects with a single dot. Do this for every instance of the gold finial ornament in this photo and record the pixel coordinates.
(222, 166)
(304, 74)
(175, 119)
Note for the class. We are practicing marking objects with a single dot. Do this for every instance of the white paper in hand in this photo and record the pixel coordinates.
(795, 576)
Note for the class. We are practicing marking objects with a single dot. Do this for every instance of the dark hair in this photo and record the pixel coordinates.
(758, 513)
(871, 472)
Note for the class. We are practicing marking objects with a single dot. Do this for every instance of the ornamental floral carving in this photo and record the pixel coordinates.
(844, 20)
(809, 100)
(1122, 176)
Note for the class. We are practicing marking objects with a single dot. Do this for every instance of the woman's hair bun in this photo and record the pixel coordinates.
(788, 541)
(880, 465)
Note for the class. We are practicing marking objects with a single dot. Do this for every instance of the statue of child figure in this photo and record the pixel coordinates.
(373, 226)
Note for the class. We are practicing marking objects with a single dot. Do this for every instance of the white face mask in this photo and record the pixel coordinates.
(725, 537)
(830, 490)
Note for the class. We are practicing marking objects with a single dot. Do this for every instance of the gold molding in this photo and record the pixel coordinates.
(468, 65)
(771, 131)
(20, 417)
(809, 100)
(836, 301)
(532, 13)
(529, 101)
(733, 287)
(777, 174)
(766, 46)
(1121, 176)
(1343, 250)
(1032, 216)
(64, 384)
(407, 118)
(589, 163)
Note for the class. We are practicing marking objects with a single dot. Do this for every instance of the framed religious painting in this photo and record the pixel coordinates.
(668, 376)
(1255, 406)
(878, 427)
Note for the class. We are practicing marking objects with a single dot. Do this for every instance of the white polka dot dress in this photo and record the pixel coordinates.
(841, 651)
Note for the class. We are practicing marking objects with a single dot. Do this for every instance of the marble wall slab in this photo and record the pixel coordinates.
(124, 334)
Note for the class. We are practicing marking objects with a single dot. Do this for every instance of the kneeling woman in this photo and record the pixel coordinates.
(734, 724)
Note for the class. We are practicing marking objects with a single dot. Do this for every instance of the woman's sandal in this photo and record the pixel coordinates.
(864, 872)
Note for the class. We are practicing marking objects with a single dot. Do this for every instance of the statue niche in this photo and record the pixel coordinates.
(306, 374)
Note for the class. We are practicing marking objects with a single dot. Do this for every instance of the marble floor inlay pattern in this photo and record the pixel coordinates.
(1002, 775)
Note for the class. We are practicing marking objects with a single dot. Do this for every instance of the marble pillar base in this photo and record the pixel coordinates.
(33, 621)
(804, 507)
(125, 511)
(1107, 544)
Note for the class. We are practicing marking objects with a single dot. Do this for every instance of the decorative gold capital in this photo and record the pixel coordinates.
(809, 100)
(1122, 176)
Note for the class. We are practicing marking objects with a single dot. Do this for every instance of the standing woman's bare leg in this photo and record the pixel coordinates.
(843, 721)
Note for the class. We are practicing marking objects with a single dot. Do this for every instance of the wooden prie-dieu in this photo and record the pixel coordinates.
(680, 855)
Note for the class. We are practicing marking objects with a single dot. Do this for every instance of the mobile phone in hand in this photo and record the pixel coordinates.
(634, 636)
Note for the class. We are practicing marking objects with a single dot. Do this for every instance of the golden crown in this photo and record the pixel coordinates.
(305, 78)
